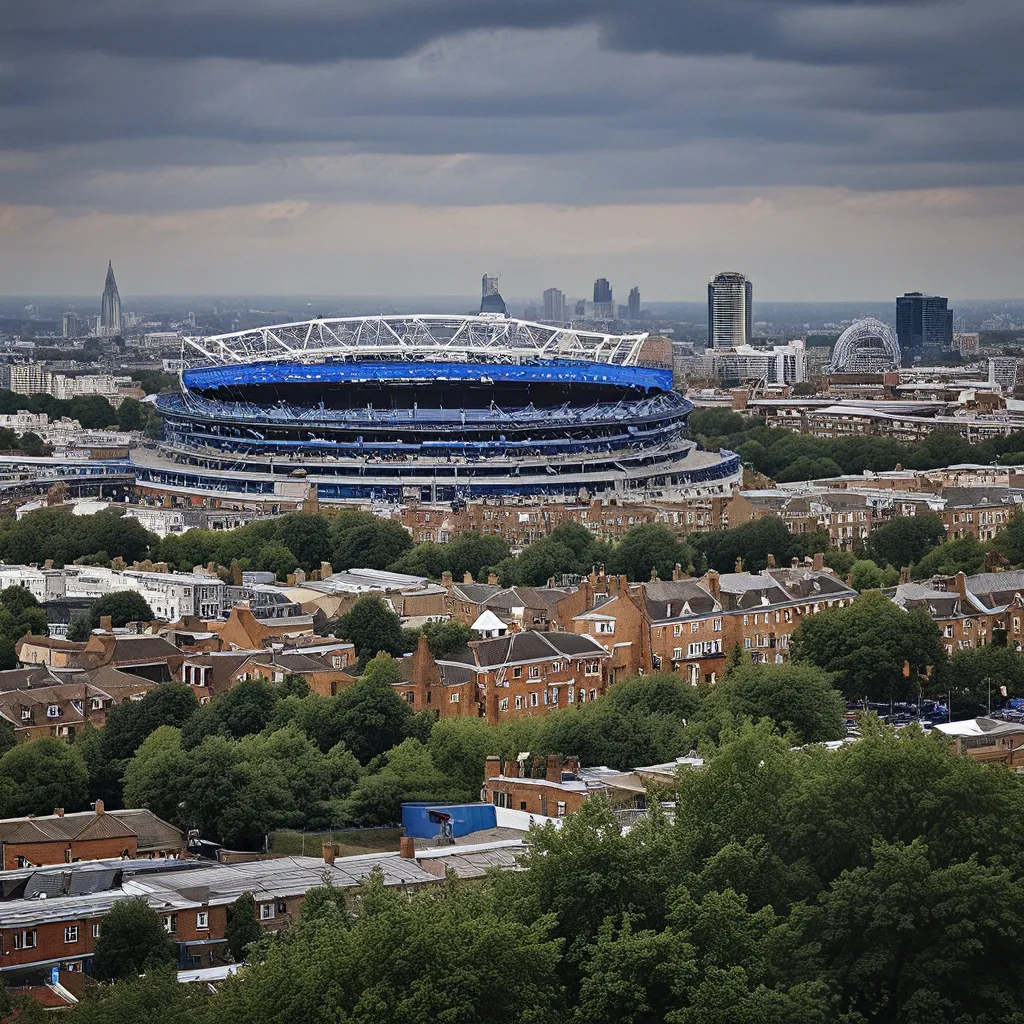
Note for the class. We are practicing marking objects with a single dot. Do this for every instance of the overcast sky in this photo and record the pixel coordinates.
(830, 149)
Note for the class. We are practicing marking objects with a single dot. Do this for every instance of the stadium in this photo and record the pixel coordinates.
(429, 408)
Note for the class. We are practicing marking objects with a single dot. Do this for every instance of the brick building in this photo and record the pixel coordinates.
(554, 787)
(61, 838)
(509, 676)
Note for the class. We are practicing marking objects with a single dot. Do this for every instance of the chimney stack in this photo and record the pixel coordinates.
(905, 574)
(106, 623)
(511, 769)
(492, 766)
(771, 560)
(677, 571)
(58, 812)
(99, 807)
(553, 768)
(446, 580)
(492, 579)
(739, 565)
(818, 563)
(467, 577)
(326, 569)
(961, 585)
(407, 848)
(330, 852)
(713, 586)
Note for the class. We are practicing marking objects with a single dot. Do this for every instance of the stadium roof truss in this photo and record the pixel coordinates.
(425, 337)
(867, 345)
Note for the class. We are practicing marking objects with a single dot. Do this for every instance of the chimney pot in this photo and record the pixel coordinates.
(467, 577)
(771, 561)
(106, 623)
(58, 812)
(407, 847)
(99, 807)
(818, 563)
(330, 853)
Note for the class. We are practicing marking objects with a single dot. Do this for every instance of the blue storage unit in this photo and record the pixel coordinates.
(426, 820)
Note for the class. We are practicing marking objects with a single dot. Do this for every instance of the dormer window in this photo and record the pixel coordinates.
(53, 711)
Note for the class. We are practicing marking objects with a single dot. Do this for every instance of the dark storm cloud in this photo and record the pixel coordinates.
(207, 102)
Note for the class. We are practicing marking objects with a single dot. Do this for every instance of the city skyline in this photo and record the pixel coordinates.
(822, 146)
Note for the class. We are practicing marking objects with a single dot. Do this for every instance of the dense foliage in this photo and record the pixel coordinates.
(880, 882)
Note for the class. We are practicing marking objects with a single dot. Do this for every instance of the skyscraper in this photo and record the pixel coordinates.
(633, 306)
(490, 299)
(730, 311)
(924, 324)
(554, 304)
(110, 305)
(602, 290)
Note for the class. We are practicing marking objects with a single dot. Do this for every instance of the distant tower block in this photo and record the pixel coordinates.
(110, 305)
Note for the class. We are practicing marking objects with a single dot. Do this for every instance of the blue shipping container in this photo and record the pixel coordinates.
(464, 819)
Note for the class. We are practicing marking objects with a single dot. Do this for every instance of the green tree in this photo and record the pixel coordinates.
(753, 542)
(876, 649)
(472, 552)
(129, 414)
(446, 638)
(123, 606)
(368, 542)
(157, 775)
(37, 776)
(387, 964)
(132, 940)
(308, 536)
(276, 558)
(798, 699)
(1009, 541)
(373, 627)
(157, 997)
(905, 541)
(866, 575)
(243, 929)
(651, 546)
(426, 559)
(965, 554)
(370, 717)
(974, 677)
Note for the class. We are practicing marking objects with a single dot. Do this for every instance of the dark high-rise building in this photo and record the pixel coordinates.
(730, 311)
(490, 299)
(924, 324)
(554, 304)
(110, 305)
(602, 290)
(633, 306)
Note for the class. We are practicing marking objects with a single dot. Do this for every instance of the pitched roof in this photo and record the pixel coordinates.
(670, 598)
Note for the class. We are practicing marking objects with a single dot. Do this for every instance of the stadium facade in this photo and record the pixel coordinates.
(429, 408)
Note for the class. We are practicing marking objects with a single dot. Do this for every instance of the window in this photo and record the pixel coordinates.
(593, 694)
(949, 630)
(570, 695)
(583, 695)
(695, 626)
(677, 629)
(53, 711)
(266, 911)
(503, 704)
(71, 933)
(534, 699)
(558, 666)
(560, 808)
(202, 920)
(677, 653)
(606, 627)
(97, 703)
(718, 625)
(535, 672)
(171, 924)
(454, 698)
(517, 673)
(519, 703)
(746, 620)
(592, 668)
(96, 931)
(25, 939)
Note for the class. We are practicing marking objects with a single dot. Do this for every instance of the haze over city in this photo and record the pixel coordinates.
(830, 151)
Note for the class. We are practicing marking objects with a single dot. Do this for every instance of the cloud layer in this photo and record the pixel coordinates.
(150, 109)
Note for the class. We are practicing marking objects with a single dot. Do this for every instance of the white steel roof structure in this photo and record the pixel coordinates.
(867, 346)
(420, 338)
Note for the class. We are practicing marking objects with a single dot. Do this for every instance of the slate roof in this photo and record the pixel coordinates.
(665, 600)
